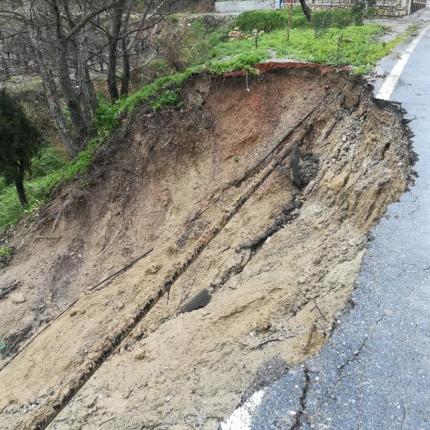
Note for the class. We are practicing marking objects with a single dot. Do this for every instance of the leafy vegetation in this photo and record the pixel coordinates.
(49, 158)
(354, 45)
(270, 20)
(20, 140)
(358, 46)
(6, 254)
(5, 251)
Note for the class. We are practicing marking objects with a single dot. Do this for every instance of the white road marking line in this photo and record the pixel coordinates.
(390, 82)
(241, 419)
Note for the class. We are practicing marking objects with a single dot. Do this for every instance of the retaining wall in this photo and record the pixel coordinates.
(243, 6)
(383, 7)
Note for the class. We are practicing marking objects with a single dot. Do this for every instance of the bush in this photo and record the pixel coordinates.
(165, 99)
(48, 160)
(266, 20)
(336, 18)
(20, 140)
(270, 20)
(5, 251)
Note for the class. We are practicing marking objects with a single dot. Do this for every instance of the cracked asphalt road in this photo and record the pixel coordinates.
(374, 373)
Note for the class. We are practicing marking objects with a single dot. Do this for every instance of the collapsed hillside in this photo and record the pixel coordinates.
(251, 205)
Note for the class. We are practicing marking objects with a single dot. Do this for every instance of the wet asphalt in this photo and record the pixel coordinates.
(374, 372)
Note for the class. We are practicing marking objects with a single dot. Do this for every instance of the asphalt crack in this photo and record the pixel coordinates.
(303, 400)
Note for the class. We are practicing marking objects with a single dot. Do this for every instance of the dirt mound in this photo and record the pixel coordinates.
(251, 205)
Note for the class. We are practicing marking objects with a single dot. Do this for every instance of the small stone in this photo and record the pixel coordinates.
(200, 300)
(18, 298)
(118, 306)
(140, 355)
(92, 403)
(126, 395)
(153, 269)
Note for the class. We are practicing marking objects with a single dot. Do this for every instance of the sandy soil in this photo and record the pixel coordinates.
(257, 206)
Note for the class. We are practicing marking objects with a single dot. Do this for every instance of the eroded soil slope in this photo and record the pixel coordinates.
(256, 203)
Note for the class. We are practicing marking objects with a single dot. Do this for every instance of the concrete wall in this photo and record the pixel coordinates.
(243, 6)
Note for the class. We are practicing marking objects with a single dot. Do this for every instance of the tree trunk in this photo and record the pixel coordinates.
(52, 95)
(58, 116)
(125, 79)
(290, 13)
(126, 67)
(306, 10)
(87, 95)
(19, 183)
(79, 121)
(77, 116)
(113, 46)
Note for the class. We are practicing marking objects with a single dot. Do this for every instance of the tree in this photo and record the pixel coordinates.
(306, 10)
(61, 42)
(51, 39)
(125, 35)
(19, 142)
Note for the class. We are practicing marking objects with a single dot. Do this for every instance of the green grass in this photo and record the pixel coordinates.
(162, 92)
(357, 46)
(353, 45)
(40, 188)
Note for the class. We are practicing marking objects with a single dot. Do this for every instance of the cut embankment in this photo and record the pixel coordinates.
(256, 198)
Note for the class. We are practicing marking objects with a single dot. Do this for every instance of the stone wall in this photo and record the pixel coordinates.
(383, 7)
(243, 5)
(392, 7)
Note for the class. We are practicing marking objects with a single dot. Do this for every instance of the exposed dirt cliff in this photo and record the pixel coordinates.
(254, 201)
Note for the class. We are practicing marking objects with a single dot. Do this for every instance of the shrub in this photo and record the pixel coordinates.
(20, 140)
(6, 254)
(336, 18)
(5, 251)
(270, 20)
(165, 99)
(106, 117)
(264, 20)
(48, 160)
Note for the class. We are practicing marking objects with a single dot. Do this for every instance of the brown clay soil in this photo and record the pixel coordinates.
(257, 205)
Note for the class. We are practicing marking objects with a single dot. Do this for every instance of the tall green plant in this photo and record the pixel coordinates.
(19, 142)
